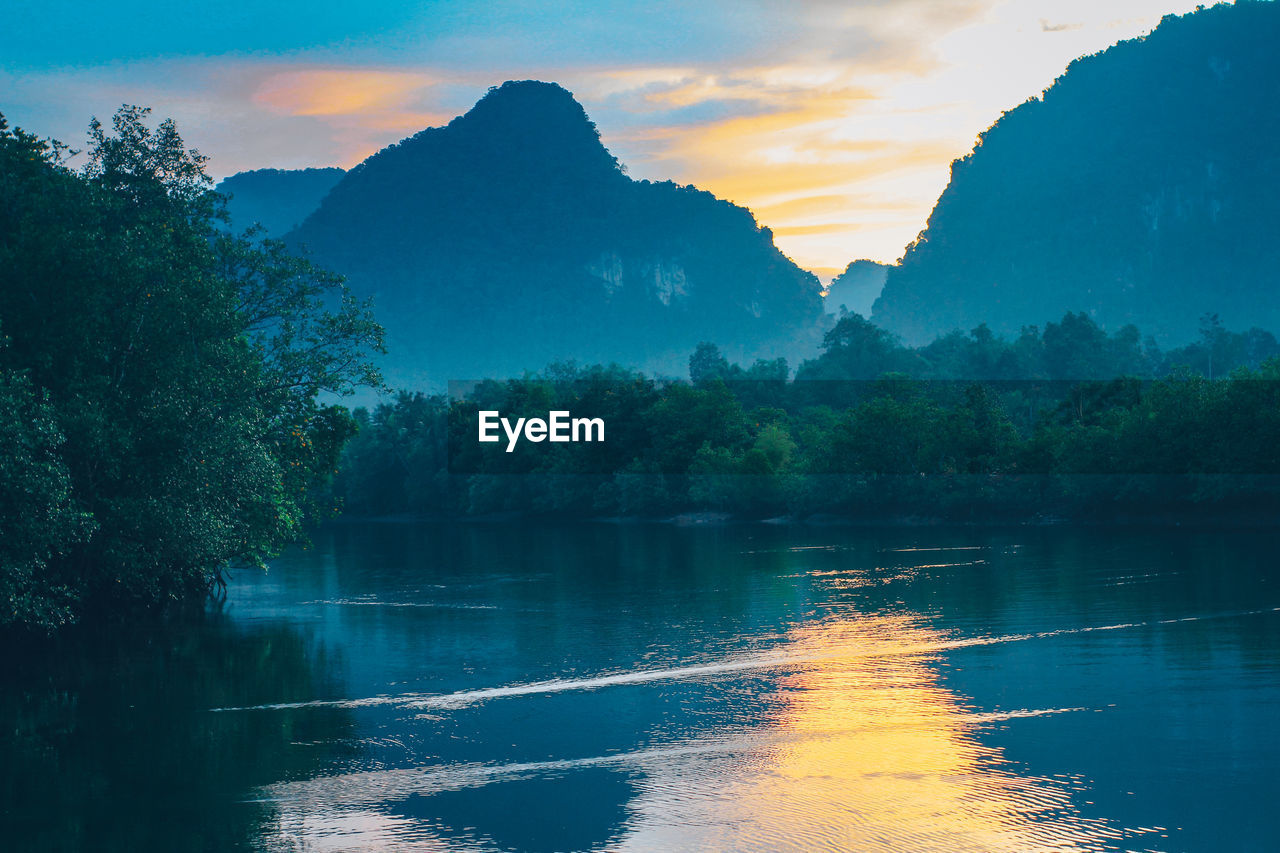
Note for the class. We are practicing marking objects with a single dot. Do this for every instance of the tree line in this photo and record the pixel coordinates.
(1067, 421)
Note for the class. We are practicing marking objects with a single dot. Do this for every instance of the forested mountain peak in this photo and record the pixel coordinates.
(536, 125)
(511, 237)
(1141, 188)
(519, 135)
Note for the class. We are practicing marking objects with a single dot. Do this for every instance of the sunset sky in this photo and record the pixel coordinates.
(835, 122)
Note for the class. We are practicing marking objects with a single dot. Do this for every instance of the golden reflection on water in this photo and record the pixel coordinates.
(869, 752)
(863, 749)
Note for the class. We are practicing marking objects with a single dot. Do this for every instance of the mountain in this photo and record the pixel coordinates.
(511, 237)
(856, 289)
(1141, 188)
(277, 199)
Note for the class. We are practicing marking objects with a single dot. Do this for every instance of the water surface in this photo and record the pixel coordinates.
(647, 688)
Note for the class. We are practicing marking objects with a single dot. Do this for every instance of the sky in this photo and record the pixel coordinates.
(834, 122)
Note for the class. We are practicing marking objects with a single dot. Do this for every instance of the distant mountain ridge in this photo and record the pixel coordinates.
(277, 199)
(856, 289)
(512, 237)
(1143, 187)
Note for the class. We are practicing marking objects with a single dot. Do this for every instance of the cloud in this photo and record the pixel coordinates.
(361, 109)
(340, 91)
(813, 149)
(835, 121)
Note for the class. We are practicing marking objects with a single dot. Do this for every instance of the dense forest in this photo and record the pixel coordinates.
(1064, 422)
(1140, 188)
(159, 379)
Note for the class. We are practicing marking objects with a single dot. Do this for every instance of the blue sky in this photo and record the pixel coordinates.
(835, 121)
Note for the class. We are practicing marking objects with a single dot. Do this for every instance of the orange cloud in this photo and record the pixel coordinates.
(339, 92)
(810, 205)
(817, 207)
(829, 196)
(805, 230)
(360, 110)
(814, 150)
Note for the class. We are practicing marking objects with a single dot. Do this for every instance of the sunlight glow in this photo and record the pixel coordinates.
(869, 752)
(859, 747)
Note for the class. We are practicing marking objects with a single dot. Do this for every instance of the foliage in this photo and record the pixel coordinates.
(41, 521)
(1073, 348)
(1027, 443)
(172, 374)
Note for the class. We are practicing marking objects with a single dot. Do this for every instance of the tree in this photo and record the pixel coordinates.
(1214, 339)
(1075, 348)
(856, 348)
(39, 517)
(707, 364)
(182, 366)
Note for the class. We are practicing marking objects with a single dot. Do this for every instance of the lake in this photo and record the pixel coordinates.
(527, 687)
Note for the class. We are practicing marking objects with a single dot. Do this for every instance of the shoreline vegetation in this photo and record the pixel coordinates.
(1028, 444)
(161, 415)
(895, 450)
(167, 409)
